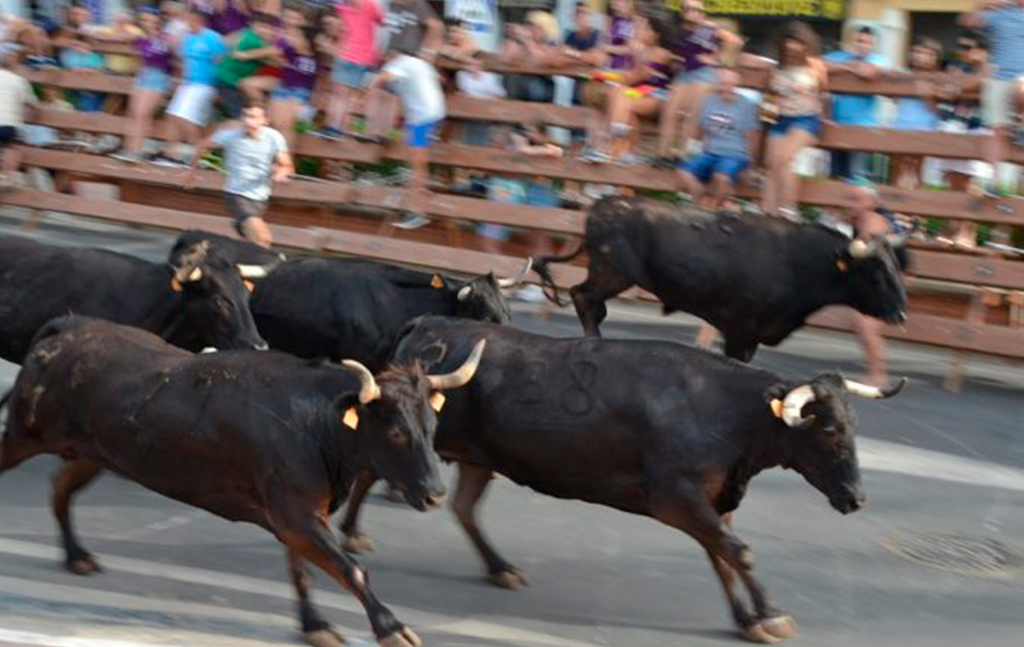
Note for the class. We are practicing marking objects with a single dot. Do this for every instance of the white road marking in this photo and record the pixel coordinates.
(896, 458)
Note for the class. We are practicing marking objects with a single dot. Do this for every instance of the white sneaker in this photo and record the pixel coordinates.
(530, 294)
(412, 220)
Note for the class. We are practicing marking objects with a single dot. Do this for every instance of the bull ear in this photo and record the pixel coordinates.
(347, 408)
(437, 281)
(249, 285)
(176, 284)
(437, 401)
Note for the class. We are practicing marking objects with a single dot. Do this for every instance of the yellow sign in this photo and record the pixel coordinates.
(827, 9)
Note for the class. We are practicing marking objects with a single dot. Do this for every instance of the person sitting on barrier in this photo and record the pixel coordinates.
(251, 49)
(77, 55)
(357, 58)
(916, 113)
(255, 157)
(15, 94)
(191, 107)
(418, 86)
(641, 93)
(729, 129)
(292, 97)
(152, 84)
(796, 91)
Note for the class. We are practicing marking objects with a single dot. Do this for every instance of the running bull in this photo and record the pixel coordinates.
(651, 428)
(361, 306)
(194, 302)
(756, 279)
(264, 438)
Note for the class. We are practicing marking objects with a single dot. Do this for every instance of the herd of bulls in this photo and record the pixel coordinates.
(378, 370)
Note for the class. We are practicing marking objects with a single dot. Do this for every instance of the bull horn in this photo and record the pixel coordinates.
(874, 392)
(794, 403)
(519, 278)
(464, 293)
(368, 389)
(251, 271)
(195, 275)
(462, 375)
(859, 249)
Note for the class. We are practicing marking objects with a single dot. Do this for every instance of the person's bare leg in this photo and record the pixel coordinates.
(337, 113)
(774, 167)
(995, 149)
(419, 161)
(255, 230)
(721, 189)
(692, 186)
(695, 98)
(143, 106)
(669, 123)
(10, 161)
(795, 141)
(869, 332)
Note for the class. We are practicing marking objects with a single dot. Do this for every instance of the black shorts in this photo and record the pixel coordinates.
(241, 209)
(231, 100)
(8, 135)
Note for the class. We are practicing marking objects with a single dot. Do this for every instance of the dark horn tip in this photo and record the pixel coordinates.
(895, 388)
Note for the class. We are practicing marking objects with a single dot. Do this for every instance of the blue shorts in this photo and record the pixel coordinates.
(350, 74)
(420, 135)
(706, 165)
(152, 78)
(302, 95)
(809, 123)
(706, 74)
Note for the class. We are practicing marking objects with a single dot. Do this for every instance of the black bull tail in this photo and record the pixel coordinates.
(540, 266)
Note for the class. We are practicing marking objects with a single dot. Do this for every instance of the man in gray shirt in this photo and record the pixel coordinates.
(729, 127)
(255, 156)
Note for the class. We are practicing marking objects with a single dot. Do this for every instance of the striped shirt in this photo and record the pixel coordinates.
(1005, 28)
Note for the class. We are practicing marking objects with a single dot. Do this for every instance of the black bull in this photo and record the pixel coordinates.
(652, 428)
(260, 437)
(756, 279)
(349, 307)
(194, 302)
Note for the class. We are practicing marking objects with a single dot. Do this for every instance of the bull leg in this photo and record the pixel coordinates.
(308, 536)
(315, 630)
(688, 510)
(355, 541)
(73, 476)
(589, 298)
(472, 483)
(778, 624)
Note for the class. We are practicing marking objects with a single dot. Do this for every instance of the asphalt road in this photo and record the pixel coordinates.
(921, 565)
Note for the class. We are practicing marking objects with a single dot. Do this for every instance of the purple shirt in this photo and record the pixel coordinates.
(231, 19)
(702, 40)
(299, 70)
(156, 52)
(621, 32)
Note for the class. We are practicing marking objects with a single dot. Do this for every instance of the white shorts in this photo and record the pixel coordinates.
(936, 168)
(996, 98)
(193, 102)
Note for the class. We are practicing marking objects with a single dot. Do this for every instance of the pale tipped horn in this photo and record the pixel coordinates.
(464, 293)
(860, 249)
(794, 403)
(251, 271)
(874, 392)
(195, 275)
(519, 278)
(368, 391)
(462, 375)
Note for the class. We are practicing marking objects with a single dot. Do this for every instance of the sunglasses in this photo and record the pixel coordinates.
(964, 45)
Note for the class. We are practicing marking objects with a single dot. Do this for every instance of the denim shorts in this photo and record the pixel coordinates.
(706, 74)
(810, 123)
(705, 165)
(152, 78)
(420, 135)
(351, 74)
(302, 95)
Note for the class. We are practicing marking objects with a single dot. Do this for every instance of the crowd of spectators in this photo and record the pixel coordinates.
(357, 69)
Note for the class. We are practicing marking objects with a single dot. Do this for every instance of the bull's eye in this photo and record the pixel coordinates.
(397, 438)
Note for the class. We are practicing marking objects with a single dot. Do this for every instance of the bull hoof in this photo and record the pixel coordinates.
(755, 633)
(781, 627)
(510, 579)
(86, 565)
(357, 542)
(404, 637)
(326, 637)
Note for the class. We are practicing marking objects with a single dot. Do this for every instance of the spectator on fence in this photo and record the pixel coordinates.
(357, 57)
(15, 94)
(796, 88)
(861, 60)
(580, 44)
(412, 27)
(918, 112)
(418, 86)
(459, 45)
(533, 44)
(175, 17)
(642, 92)
(251, 49)
(255, 157)
(191, 107)
(152, 84)
(289, 99)
(729, 129)
(473, 81)
(697, 49)
(77, 55)
(1003, 23)
(17, 35)
(622, 19)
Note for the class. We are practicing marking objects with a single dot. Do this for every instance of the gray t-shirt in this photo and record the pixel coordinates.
(727, 124)
(250, 160)
(1005, 29)
(406, 24)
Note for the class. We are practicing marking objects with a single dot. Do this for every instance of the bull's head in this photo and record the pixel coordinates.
(216, 302)
(820, 426)
(395, 416)
(873, 277)
(482, 298)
